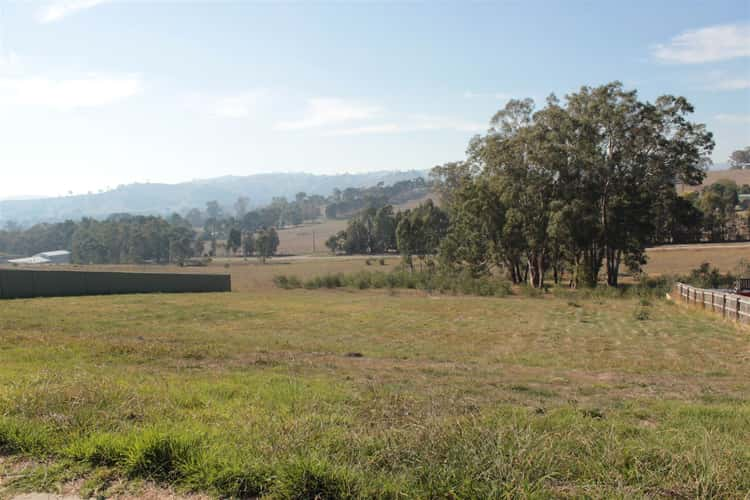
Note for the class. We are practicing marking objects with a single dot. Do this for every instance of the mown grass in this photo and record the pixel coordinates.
(352, 394)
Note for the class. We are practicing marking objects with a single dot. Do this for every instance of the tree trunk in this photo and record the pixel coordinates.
(613, 266)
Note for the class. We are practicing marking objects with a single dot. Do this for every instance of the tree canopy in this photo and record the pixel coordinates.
(577, 182)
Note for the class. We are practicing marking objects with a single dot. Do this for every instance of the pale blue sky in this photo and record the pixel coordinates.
(98, 93)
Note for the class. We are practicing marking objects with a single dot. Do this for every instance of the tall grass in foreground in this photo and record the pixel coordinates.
(509, 452)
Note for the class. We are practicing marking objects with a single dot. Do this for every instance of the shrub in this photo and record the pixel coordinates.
(287, 282)
(641, 314)
(281, 281)
(294, 282)
(312, 283)
(332, 280)
(704, 276)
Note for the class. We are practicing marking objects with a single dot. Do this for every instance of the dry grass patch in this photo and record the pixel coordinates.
(681, 259)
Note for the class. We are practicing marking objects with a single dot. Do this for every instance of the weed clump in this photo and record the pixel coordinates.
(314, 478)
(17, 437)
(641, 314)
(158, 456)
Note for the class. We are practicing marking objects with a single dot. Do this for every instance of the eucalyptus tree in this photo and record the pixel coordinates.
(634, 152)
(578, 181)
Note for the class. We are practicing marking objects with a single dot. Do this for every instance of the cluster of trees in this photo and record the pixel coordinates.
(712, 214)
(127, 239)
(414, 232)
(124, 238)
(121, 238)
(371, 231)
(263, 242)
(239, 229)
(581, 186)
(14, 240)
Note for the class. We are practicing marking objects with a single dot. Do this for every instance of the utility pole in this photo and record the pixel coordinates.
(313, 241)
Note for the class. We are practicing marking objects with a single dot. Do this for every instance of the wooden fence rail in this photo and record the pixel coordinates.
(728, 305)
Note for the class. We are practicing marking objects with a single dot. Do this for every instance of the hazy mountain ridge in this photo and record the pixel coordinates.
(160, 199)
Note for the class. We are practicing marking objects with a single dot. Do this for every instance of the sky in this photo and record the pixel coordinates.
(98, 93)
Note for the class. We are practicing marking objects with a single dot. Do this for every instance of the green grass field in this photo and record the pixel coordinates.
(330, 394)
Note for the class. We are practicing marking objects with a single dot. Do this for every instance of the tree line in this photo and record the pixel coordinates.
(124, 238)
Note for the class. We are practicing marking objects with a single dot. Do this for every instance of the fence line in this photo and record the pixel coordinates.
(728, 305)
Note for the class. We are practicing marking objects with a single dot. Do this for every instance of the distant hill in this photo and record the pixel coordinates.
(162, 199)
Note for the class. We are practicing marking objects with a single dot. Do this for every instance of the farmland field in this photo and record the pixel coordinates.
(739, 176)
(299, 240)
(348, 393)
(681, 259)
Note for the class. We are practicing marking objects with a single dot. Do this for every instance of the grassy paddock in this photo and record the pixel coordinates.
(342, 393)
(681, 259)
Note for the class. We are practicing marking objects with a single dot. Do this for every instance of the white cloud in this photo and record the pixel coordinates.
(322, 112)
(414, 123)
(732, 84)
(9, 63)
(239, 105)
(733, 118)
(59, 9)
(713, 43)
(384, 128)
(502, 96)
(338, 117)
(91, 91)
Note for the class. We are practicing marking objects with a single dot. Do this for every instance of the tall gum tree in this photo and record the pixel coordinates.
(580, 180)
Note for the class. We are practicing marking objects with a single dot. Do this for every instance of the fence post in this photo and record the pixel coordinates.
(737, 310)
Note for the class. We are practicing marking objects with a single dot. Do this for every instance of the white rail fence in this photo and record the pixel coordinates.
(728, 305)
